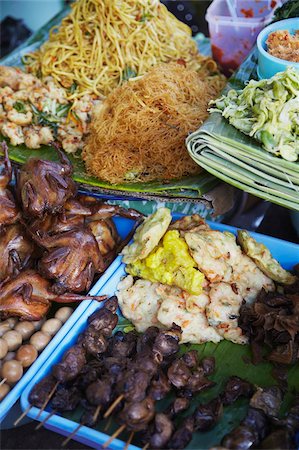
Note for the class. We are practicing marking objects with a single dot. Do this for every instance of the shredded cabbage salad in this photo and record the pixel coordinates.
(267, 110)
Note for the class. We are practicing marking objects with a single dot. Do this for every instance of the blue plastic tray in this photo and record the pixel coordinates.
(123, 226)
(286, 252)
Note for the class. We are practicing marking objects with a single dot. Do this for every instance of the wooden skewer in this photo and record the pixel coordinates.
(114, 436)
(44, 405)
(129, 440)
(113, 406)
(3, 381)
(108, 424)
(66, 441)
(45, 420)
(21, 417)
(146, 447)
(97, 412)
(95, 416)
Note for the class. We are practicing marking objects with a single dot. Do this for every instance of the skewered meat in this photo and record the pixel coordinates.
(29, 296)
(190, 359)
(111, 304)
(137, 414)
(90, 416)
(241, 438)
(101, 324)
(207, 415)
(94, 342)
(264, 404)
(148, 361)
(71, 259)
(146, 340)
(104, 322)
(257, 420)
(133, 385)
(99, 392)
(71, 365)
(163, 429)
(9, 213)
(167, 342)
(208, 365)
(114, 366)
(15, 250)
(122, 344)
(284, 437)
(160, 386)
(183, 435)
(280, 439)
(90, 372)
(268, 400)
(104, 319)
(292, 419)
(196, 383)
(40, 392)
(180, 404)
(45, 186)
(249, 433)
(66, 399)
(179, 373)
(235, 388)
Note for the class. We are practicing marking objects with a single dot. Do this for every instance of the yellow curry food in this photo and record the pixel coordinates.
(170, 263)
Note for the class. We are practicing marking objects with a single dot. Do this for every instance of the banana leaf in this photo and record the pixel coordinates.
(239, 160)
(231, 359)
(192, 187)
(186, 188)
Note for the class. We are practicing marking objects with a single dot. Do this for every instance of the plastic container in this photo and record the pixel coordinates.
(123, 226)
(269, 65)
(286, 252)
(233, 37)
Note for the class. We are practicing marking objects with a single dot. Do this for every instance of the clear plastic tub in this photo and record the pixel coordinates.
(233, 37)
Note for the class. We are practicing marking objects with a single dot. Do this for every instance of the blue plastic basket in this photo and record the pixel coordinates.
(286, 252)
(123, 226)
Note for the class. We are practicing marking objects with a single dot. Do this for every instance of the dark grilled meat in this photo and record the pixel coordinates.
(71, 365)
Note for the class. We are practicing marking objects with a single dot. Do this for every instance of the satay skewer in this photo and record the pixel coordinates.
(44, 405)
(94, 419)
(45, 420)
(97, 412)
(3, 381)
(113, 405)
(66, 441)
(114, 436)
(21, 417)
(129, 440)
(108, 424)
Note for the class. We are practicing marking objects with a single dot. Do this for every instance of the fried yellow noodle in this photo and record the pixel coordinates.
(102, 42)
(139, 132)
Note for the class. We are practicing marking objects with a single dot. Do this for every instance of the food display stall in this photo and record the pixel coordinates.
(146, 169)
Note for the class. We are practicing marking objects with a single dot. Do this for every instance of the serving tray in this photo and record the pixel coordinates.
(231, 359)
